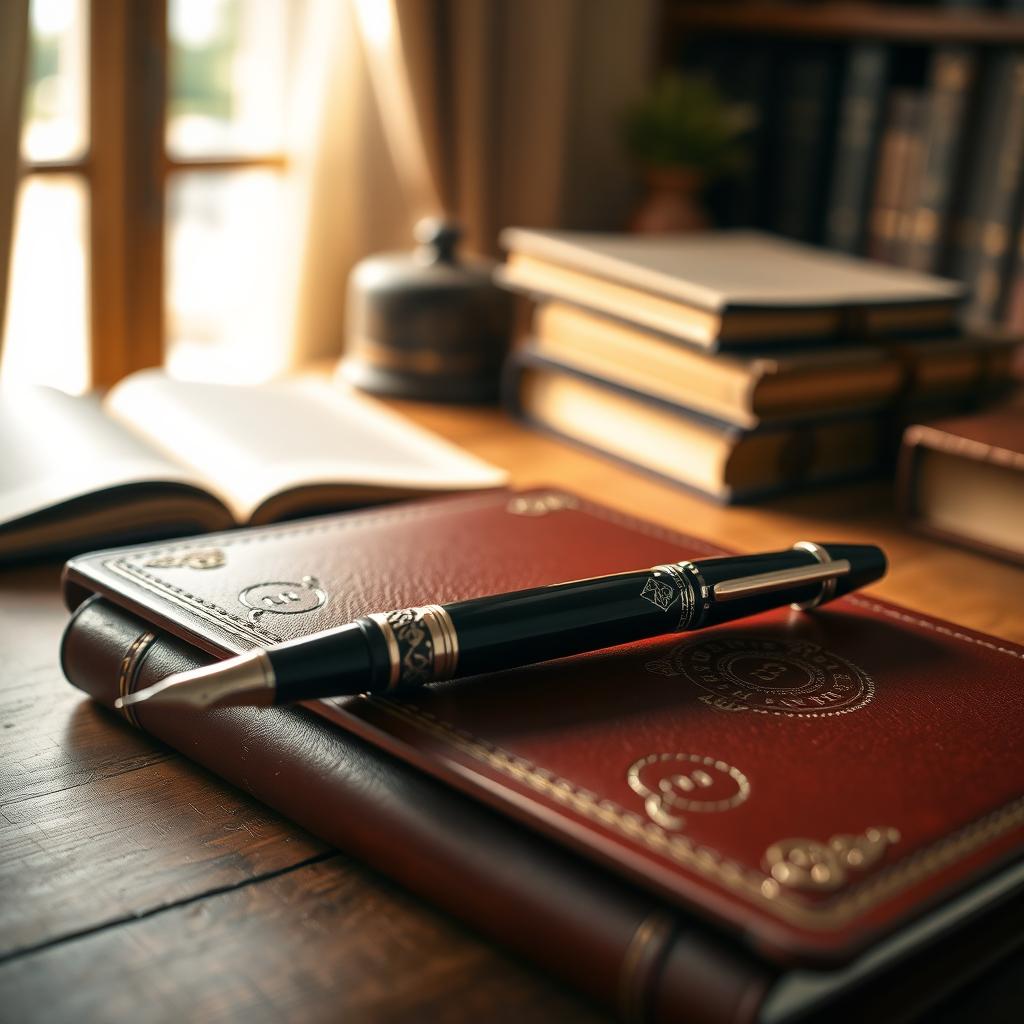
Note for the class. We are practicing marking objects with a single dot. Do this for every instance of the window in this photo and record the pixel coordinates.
(150, 221)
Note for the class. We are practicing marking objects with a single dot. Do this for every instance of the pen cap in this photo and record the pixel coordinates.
(867, 564)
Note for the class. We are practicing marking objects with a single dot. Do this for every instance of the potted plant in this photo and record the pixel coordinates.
(683, 134)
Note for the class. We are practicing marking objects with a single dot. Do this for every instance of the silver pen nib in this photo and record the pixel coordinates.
(247, 679)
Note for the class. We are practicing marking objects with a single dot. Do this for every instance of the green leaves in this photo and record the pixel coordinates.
(684, 121)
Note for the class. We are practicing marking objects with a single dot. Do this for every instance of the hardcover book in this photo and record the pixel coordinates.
(724, 825)
(725, 288)
(896, 182)
(962, 479)
(803, 151)
(902, 376)
(1013, 314)
(745, 390)
(860, 128)
(951, 83)
(983, 243)
(723, 461)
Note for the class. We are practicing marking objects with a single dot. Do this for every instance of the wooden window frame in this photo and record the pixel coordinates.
(126, 167)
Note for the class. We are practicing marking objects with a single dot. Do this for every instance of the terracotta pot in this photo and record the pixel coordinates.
(672, 202)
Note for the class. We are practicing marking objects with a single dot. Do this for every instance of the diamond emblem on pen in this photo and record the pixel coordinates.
(660, 594)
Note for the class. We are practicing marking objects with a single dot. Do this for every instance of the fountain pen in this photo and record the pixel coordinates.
(395, 651)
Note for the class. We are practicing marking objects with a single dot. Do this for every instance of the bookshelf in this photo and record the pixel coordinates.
(884, 22)
(891, 131)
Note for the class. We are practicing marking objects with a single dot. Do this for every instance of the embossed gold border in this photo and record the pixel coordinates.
(758, 888)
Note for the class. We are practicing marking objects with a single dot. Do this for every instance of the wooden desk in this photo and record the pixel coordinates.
(136, 887)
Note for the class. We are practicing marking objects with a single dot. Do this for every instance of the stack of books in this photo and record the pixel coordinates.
(736, 363)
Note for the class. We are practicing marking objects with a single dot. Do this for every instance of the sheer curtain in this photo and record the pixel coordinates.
(491, 111)
(13, 48)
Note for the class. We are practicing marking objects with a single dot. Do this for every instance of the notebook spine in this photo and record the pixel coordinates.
(583, 925)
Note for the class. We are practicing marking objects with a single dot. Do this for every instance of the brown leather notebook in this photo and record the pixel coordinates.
(749, 823)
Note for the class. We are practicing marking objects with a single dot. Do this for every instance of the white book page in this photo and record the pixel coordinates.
(55, 447)
(252, 442)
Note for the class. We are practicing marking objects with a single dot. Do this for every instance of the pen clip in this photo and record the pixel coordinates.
(780, 579)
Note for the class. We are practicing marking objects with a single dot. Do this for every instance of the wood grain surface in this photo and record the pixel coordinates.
(136, 887)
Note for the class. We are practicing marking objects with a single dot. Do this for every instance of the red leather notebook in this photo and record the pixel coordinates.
(809, 783)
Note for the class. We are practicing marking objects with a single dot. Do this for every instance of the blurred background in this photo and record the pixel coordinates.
(197, 177)
(190, 181)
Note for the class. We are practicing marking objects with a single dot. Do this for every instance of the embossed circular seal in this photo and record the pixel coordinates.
(768, 676)
(673, 783)
(280, 597)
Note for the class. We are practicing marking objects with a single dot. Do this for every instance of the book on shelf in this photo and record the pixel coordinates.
(918, 162)
(727, 289)
(750, 77)
(641, 822)
(721, 461)
(962, 479)
(896, 181)
(1013, 313)
(861, 112)
(983, 243)
(804, 147)
(160, 456)
(951, 79)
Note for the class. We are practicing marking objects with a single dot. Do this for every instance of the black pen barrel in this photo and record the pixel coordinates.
(552, 622)
(348, 660)
(391, 651)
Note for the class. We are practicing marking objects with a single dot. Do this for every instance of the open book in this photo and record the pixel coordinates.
(160, 457)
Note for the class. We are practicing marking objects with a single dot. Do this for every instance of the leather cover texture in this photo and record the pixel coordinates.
(808, 781)
(612, 941)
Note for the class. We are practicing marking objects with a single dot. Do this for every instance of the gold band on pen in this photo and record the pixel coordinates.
(422, 644)
(828, 586)
(445, 640)
(391, 642)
